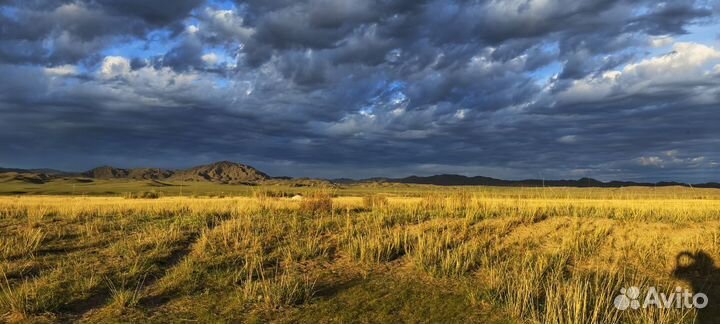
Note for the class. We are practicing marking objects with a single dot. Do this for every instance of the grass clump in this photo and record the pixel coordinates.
(285, 289)
(27, 298)
(447, 260)
(317, 203)
(374, 201)
(380, 246)
(124, 296)
(23, 243)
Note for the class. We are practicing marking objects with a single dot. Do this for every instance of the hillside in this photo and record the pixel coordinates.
(226, 172)
(221, 172)
(106, 172)
(35, 178)
(460, 180)
(149, 174)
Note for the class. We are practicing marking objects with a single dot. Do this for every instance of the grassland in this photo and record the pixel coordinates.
(122, 187)
(355, 254)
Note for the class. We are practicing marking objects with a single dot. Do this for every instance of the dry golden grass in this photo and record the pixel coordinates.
(534, 258)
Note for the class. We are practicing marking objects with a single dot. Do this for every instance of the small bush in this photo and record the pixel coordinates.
(272, 193)
(142, 195)
(150, 195)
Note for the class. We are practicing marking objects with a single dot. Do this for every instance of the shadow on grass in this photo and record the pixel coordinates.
(699, 270)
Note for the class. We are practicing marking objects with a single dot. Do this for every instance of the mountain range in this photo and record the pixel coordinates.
(220, 172)
(227, 172)
(460, 180)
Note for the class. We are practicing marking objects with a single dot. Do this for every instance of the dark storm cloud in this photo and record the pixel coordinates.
(69, 31)
(669, 17)
(157, 13)
(346, 87)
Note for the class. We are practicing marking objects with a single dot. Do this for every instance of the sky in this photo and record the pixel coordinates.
(513, 89)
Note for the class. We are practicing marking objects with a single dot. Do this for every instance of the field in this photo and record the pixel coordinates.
(354, 254)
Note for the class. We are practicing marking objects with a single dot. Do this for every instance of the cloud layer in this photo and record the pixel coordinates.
(615, 89)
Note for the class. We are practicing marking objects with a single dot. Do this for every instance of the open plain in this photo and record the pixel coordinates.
(354, 254)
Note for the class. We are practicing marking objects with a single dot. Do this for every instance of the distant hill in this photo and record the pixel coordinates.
(460, 180)
(452, 180)
(149, 174)
(5, 170)
(34, 178)
(227, 172)
(298, 182)
(221, 172)
(106, 172)
(44, 171)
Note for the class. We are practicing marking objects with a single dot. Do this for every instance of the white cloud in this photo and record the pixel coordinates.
(655, 161)
(227, 23)
(687, 63)
(148, 86)
(672, 158)
(661, 41)
(568, 139)
(114, 66)
(147, 77)
(210, 58)
(61, 70)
